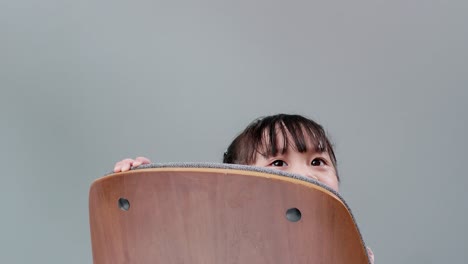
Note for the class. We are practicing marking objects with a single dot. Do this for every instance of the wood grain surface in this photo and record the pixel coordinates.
(212, 216)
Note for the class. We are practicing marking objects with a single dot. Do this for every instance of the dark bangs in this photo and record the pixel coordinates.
(261, 136)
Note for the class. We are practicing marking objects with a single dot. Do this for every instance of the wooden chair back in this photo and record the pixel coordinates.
(215, 215)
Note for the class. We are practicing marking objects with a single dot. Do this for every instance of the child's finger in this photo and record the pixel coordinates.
(125, 167)
(118, 166)
(143, 160)
(126, 164)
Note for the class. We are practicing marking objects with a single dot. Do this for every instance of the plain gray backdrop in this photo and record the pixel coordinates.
(87, 83)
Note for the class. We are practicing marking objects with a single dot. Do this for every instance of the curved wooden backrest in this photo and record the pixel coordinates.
(213, 216)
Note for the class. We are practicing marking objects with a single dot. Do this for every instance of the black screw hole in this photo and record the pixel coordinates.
(293, 214)
(124, 204)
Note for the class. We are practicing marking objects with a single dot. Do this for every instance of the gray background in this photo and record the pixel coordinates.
(87, 83)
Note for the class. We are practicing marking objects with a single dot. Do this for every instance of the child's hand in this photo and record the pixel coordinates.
(126, 164)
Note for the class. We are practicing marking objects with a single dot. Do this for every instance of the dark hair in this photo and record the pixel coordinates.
(260, 137)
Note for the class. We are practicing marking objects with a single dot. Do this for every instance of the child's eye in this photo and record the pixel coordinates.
(318, 162)
(278, 163)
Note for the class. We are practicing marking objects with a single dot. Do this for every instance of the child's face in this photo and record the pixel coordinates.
(312, 164)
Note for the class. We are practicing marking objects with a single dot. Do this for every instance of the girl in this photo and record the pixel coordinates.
(285, 142)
